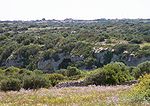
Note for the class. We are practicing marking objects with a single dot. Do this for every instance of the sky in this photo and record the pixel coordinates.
(76, 9)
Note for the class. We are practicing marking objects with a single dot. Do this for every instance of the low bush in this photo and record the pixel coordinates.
(144, 68)
(11, 70)
(110, 74)
(72, 71)
(10, 84)
(76, 77)
(120, 48)
(135, 72)
(55, 78)
(35, 82)
(136, 40)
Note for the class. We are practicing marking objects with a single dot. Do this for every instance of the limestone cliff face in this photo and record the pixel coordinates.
(102, 57)
(44, 64)
(52, 64)
(105, 57)
(14, 61)
(133, 61)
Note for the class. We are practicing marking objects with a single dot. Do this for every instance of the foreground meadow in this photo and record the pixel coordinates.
(71, 96)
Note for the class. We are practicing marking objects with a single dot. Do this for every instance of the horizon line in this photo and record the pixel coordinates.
(73, 19)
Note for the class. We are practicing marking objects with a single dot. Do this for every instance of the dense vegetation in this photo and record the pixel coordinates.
(13, 78)
(111, 74)
(26, 44)
(66, 47)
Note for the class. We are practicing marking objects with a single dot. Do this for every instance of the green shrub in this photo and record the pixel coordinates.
(144, 52)
(12, 71)
(76, 77)
(146, 38)
(89, 62)
(38, 72)
(61, 71)
(27, 53)
(141, 91)
(7, 52)
(17, 73)
(144, 68)
(55, 78)
(136, 40)
(95, 78)
(120, 48)
(110, 74)
(10, 84)
(72, 71)
(35, 82)
(135, 72)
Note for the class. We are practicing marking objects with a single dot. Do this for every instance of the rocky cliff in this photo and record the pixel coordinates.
(103, 56)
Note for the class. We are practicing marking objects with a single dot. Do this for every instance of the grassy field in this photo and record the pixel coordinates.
(72, 96)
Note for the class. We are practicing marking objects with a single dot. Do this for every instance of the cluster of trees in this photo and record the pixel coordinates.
(13, 78)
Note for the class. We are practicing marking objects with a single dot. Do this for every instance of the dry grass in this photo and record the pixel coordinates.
(72, 96)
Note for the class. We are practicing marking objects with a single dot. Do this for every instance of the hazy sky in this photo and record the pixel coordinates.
(76, 9)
